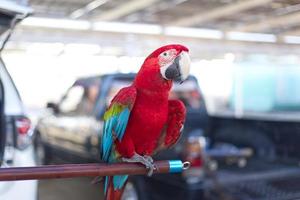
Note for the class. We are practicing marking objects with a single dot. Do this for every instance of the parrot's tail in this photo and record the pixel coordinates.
(112, 192)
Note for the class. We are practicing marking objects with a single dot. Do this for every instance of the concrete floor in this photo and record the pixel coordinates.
(69, 189)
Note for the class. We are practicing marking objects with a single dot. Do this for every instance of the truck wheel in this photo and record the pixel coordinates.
(42, 153)
(262, 146)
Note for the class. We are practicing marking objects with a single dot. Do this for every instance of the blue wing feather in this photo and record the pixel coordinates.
(107, 138)
(122, 123)
(114, 128)
(115, 125)
(119, 181)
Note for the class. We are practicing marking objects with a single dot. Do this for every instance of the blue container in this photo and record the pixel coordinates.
(288, 88)
(254, 88)
(265, 88)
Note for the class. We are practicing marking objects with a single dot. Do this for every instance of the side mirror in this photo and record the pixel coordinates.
(53, 106)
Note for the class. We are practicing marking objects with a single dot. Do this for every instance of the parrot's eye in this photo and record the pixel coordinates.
(167, 56)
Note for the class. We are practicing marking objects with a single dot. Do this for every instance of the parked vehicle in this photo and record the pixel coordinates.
(72, 129)
(262, 114)
(16, 149)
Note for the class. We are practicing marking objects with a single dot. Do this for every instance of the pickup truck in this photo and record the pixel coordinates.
(261, 113)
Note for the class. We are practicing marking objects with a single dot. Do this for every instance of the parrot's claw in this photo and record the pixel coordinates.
(151, 167)
(145, 160)
(149, 158)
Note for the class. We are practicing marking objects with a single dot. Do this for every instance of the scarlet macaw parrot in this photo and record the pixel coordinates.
(140, 119)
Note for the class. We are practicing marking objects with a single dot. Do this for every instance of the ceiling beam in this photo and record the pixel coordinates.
(124, 9)
(271, 22)
(87, 8)
(197, 45)
(295, 32)
(220, 12)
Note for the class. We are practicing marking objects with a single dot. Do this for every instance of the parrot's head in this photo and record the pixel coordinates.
(164, 65)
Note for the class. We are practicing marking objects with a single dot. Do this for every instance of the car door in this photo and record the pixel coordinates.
(74, 128)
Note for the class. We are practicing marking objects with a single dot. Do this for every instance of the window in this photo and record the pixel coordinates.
(81, 98)
(13, 105)
(116, 86)
(70, 103)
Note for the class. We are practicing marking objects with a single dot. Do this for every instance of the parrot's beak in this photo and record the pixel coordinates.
(179, 69)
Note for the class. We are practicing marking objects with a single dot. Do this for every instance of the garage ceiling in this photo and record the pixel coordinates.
(211, 28)
(267, 16)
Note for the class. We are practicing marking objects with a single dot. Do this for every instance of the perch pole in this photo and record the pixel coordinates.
(87, 170)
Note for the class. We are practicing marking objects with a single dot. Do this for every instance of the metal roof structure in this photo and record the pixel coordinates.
(267, 16)
(217, 26)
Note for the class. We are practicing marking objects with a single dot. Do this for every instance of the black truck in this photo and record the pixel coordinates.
(262, 113)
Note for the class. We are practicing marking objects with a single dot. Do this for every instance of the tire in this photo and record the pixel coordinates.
(42, 153)
(247, 137)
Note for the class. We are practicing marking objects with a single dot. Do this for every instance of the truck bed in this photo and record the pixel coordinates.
(259, 180)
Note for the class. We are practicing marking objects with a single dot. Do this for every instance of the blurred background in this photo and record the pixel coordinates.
(243, 95)
(64, 40)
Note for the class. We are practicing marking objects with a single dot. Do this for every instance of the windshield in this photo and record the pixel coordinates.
(115, 87)
(80, 98)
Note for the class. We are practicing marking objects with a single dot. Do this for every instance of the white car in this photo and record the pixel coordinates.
(16, 149)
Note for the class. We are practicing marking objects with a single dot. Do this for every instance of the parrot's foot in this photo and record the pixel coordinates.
(149, 158)
(145, 160)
